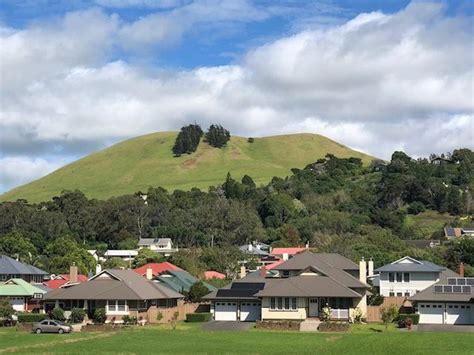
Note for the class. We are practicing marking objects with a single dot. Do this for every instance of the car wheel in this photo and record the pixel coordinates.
(61, 330)
(38, 331)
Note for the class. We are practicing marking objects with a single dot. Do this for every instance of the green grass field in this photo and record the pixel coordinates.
(190, 339)
(428, 222)
(145, 161)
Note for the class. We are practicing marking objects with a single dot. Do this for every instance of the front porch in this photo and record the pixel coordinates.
(340, 307)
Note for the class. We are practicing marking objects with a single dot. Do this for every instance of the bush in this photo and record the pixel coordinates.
(58, 314)
(334, 327)
(198, 317)
(279, 324)
(389, 314)
(159, 316)
(129, 320)
(196, 292)
(416, 207)
(6, 309)
(31, 317)
(415, 318)
(99, 315)
(250, 140)
(77, 315)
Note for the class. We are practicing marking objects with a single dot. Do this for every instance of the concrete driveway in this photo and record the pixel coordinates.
(445, 328)
(229, 326)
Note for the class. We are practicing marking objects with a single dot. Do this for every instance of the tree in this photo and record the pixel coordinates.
(187, 140)
(217, 136)
(196, 292)
(6, 309)
(115, 263)
(146, 256)
(63, 252)
(58, 314)
(389, 314)
(77, 315)
(248, 181)
(15, 244)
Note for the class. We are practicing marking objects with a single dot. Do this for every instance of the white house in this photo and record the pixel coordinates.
(126, 255)
(160, 245)
(450, 301)
(407, 276)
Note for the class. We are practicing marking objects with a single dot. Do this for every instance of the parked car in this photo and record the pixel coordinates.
(51, 326)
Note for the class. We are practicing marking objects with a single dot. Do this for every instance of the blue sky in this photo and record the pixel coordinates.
(377, 76)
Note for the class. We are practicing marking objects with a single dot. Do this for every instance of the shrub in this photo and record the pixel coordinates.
(250, 140)
(357, 315)
(31, 317)
(196, 292)
(198, 317)
(129, 320)
(375, 300)
(325, 315)
(174, 319)
(99, 315)
(415, 318)
(58, 314)
(279, 324)
(416, 207)
(159, 316)
(6, 309)
(389, 314)
(77, 315)
(334, 327)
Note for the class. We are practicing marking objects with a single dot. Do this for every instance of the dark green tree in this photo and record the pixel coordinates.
(187, 140)
(196, 292)
(217, 136)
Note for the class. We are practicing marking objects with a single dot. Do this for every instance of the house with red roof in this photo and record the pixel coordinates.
(285, 253)
(156, 269)
(213, 275)
(66, 280)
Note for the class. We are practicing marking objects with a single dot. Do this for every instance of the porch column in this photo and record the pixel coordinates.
(85, 305)
(56, 304)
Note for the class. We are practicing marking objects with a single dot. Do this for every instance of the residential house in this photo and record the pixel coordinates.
(452, 233)
(449, 301)
(213, 275)
(119, 292)
(152, 270)
(303, 286)
(14, 269)
(126, 255)
(160, 245)
(23, 296)
(408, 276)
(179, 281)
(423, 243)
(440, 160)
(286, 253)
(468, 231)
(65, 280)
(260, 251)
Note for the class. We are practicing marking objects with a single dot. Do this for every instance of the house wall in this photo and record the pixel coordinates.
(418, 282)
(299, 313)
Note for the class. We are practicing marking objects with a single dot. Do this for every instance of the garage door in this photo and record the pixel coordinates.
(225, 311)
(458, 313)
(250, 311)
(430, 313)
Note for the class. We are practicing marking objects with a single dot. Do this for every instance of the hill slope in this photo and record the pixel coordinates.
(145, 161)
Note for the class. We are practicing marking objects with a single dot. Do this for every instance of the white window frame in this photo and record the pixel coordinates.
(275, 301)
(112, 307)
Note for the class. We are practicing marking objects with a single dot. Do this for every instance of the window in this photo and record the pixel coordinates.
(391, 277)
(283, 303)
(286, 273)
(293, 303)
(117, 306)
(287, 303)
(272, 303)
(399, 277)
(391, 294)
(280, 303)
(399, 294)
(406, 277)
(407, 294)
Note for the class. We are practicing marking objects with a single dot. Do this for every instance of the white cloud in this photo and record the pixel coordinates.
(20, 170)
(376, 83)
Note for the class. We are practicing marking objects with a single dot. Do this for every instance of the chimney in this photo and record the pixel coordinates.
(73, 273)
(149, 274)
(243, 271)
(370, 271)
(285, 256)
(263, 271)
(98, 268)
(363, 270)
(307, 245)
(461, 269)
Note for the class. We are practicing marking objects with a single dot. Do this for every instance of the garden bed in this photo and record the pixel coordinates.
(292, 325)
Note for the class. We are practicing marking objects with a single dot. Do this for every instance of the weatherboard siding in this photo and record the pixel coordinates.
(418, 282)
(299, 313)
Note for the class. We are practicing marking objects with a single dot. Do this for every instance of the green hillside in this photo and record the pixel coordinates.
(145, 161)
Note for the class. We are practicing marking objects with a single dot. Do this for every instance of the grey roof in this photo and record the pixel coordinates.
(320, 260)
(419, 266)
(120, 285)
(428, 294)
(10, 266)
(306, 286)
(254, 251)
(152, 241)
(146, 241)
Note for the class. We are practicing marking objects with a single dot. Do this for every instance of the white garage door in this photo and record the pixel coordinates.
(430, 313)
(250, 311)
(225, 311)
(458, 313)
(18, 303)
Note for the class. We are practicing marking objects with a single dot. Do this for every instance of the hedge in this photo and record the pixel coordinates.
(414, 317)
(31, 317)
(198, 317)
(334, 327)
(293, 325)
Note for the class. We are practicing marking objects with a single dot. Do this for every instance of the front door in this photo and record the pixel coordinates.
(313, 307)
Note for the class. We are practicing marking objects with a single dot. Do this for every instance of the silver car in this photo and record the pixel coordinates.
(51, 326)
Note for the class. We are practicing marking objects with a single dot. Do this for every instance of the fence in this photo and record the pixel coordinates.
(374, 313)
(167, 313)
(339, 313)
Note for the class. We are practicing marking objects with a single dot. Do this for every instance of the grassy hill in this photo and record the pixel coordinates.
(145, 161)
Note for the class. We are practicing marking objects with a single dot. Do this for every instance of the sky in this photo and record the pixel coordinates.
(376, 75)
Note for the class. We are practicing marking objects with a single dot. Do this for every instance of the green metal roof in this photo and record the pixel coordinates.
(18, 287)
(180, 281)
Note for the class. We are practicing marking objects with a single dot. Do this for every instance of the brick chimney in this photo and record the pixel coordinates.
(461, 269)
(263, 271)
(73, 273)
(363, 270)
(149, 274)
(243, 271)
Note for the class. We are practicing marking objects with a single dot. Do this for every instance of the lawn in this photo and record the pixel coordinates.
(188, 339)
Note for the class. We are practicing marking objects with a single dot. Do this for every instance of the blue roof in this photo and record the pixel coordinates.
(10, 266)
